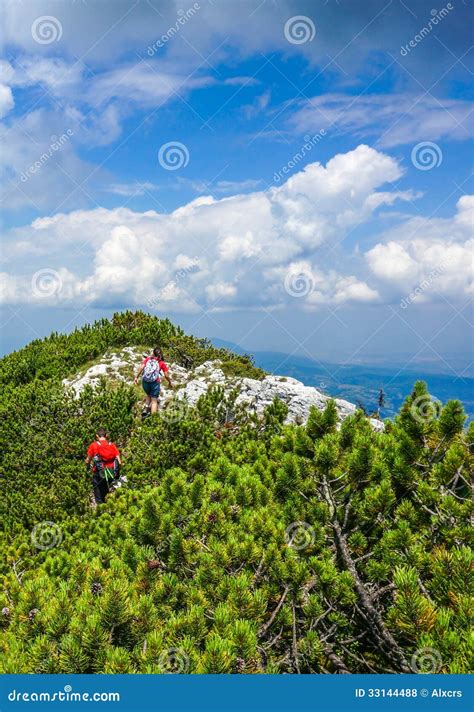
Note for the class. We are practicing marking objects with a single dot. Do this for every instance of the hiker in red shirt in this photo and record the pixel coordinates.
(106, 462)
(151, 370)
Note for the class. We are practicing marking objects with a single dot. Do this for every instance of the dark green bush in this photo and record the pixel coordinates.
(245, 546)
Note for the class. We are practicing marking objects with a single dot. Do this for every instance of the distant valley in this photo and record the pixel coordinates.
(361, 383)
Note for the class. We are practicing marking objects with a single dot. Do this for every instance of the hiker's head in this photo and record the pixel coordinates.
(157, 352)
(101, 432)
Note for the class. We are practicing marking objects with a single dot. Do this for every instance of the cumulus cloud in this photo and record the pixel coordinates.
(232, 252)
(437, 252)
(241, 251)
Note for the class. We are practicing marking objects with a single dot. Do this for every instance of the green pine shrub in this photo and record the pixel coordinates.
(256, 548)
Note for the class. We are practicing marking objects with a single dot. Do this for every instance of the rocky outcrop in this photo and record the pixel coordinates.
(119, 366)
(255, 394)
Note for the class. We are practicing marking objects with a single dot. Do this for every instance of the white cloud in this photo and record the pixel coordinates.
(350, 289)
(237, 251)
(92, 106)
(146, 84)
(392, 262)
(221, 187)
(241, 81)
(259, 104)
(436, 251)
(6, 100)
(304, 278)
(242, 246)
(221, 291)
(9, 289)
(394, 119)
(129, 190)
(35, 169)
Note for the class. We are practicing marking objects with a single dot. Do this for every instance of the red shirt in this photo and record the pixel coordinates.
(162, 364)
(112, 453)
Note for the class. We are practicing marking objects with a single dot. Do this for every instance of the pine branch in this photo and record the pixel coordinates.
(274, 640)
(425, 508)
(433, 456)
(321, 617)
(346, 514)
(18, 575)
(266, 626)
(353, 639)
(363, 557)
(456, 496)
(425, 592)
(295, 644)
(259, 570)
(324, 638)
(371, 615)
(204, 546)
(358, 659)
(336, 660)
(382, 591)
(307, 588)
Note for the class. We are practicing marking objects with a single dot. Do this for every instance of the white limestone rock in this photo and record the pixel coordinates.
(115, 365)
(192, 384)
(257, 395)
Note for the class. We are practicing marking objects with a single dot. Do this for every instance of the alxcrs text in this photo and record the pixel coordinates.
(404, 692)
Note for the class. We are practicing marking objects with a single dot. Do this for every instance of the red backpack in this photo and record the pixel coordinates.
(105, 459)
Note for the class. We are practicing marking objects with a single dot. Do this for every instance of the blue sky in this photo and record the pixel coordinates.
(286, 175)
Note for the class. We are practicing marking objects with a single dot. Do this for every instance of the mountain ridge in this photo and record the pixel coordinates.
(192, 383)
(241, 542)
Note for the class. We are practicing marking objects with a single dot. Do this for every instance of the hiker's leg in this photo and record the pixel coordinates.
(155, 392)
(146, 388)
(96, 484)
(104, 489)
